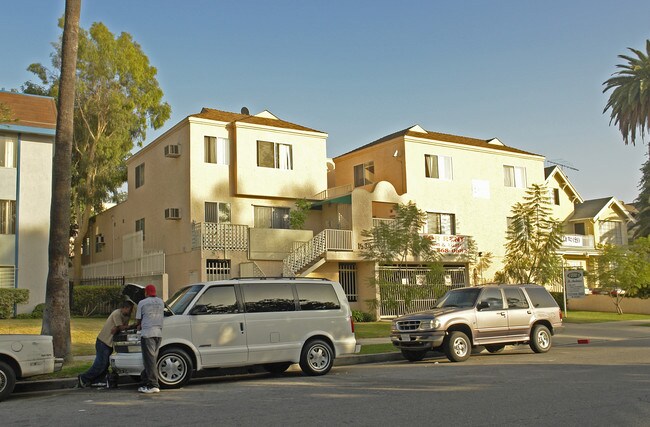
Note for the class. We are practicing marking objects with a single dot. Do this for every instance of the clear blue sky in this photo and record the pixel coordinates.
(529, 73)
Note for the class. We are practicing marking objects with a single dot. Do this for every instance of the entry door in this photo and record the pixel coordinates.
(492, 320)
(218, 328)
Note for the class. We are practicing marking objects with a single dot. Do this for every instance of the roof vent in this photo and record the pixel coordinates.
(244, 110)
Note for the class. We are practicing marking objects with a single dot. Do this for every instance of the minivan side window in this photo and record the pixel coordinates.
(317, 297)
(217, 300)
(515, 298)
(266, 297)
(540, 297)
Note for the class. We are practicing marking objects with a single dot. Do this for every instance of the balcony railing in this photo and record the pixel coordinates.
(308, 252)
(333, 192)
(148, 264)
(577, 241)
(213, 236)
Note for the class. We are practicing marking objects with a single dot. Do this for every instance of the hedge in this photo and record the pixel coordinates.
(8, 298)
(88, 299)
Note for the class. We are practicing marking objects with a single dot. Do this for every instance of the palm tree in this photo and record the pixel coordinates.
(629, 100)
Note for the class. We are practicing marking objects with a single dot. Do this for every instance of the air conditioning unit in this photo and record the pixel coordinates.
(172, 213)
(99, 239)
(172, 150)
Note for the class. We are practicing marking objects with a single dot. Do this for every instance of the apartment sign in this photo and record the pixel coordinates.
(574, 283)
(449, 244)
(573, 240)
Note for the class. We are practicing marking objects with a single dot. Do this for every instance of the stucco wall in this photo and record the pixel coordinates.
(605, 303)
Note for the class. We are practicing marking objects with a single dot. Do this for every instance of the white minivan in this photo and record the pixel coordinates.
(272, 322)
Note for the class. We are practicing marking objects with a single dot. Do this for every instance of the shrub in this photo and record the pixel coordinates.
(88, 300)
(361, 317)
(10, 297)
(559, 298)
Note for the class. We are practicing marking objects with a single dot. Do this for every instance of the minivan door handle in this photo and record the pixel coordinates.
(241, 327)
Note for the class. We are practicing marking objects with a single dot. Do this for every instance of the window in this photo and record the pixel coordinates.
(99, 243)
(554, 196)
(218, 212)
(540, 298)
(510, 220)
(139, 175)
(364, 174)
(348, 279)
(217, 300)
(8, 146)
(7, 274)
(85, 246)
(514, 176)
(274, 155)
(438, 167)
(217, 150)
(610, 232)
(515, 298)
(7, 217)
(266, 297)
(317, 297)
(139, 226)
(579, 228)
(493, 298)
(217, 269)
(440, 223)
(269, 217)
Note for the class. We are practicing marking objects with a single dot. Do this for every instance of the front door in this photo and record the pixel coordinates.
(218, 328)
(491, 315)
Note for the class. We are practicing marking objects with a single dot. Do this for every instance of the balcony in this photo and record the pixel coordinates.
(307, 253)
(334, 192)
(211, 236)
(444, 244)
(577, 242)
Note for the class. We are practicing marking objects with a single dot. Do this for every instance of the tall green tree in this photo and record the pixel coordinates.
(642, 226)
(118, 98)
(533, 241)
(624, 268)
(395, 243)
(56, 316)
(629, 100)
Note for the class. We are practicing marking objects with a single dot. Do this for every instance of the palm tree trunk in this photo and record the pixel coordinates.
(56, 317)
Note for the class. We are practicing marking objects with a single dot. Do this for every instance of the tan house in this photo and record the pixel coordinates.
(26, 152)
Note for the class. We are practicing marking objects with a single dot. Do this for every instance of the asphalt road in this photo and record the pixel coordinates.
(605, 382)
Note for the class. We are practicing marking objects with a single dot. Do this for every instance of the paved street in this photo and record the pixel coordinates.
(605, 382)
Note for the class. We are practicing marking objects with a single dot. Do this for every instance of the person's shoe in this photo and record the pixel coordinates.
(80, 382)
(148, 390)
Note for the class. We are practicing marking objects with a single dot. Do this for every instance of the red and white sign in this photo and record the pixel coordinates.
(449, 244)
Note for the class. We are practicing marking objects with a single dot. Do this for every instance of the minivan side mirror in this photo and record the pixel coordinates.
(482, 305)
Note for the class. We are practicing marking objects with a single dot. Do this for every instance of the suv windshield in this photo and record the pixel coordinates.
(464, 298)
(181, 299)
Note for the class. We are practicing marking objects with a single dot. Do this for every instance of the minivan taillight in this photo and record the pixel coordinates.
(352, 323)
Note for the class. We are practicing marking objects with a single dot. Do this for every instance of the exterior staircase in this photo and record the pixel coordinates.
(308, 256)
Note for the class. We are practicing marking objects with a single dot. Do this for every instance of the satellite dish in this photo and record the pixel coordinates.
(244, 110)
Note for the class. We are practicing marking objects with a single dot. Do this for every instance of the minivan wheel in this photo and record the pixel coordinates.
(7, 380)
(457, 347)
(316, 358)
(414, 355)
(540, 339)
(174, 368)
(495, 348)
(276, 368)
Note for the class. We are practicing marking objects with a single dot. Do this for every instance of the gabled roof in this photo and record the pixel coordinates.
(554, 171)
(264, 118)
(417, 131)
(31, 113)
(591, 209)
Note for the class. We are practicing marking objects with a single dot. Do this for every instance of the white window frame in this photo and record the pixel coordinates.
(440, 223)
(217, 150)
(8, 151)
(276, 218)
(221, 208)
(514, 176)
(438, 167)
(282, 155)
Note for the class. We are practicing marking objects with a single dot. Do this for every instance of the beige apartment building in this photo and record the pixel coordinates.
(26, 153)
(211, 198)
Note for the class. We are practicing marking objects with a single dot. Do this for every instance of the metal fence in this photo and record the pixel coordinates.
(107, 307)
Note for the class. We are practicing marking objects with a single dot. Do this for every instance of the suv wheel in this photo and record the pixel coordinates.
(414, 355)
(457, 347)
(540, 339)
(174, 368)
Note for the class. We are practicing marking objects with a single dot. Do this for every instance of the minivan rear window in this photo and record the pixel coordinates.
(266, 297)
(317, 297)
(540, 297)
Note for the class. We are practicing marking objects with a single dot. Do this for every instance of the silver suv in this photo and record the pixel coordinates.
(492, 316)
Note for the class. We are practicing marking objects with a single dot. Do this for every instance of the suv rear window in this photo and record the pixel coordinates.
(540, 297)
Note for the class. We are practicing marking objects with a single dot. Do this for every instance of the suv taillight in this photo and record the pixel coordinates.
(352, 323)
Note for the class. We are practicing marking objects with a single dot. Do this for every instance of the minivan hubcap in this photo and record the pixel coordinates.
(318, 357)
(171, 369)
(460, 347)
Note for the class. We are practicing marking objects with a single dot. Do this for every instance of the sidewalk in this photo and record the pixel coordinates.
(593, 332)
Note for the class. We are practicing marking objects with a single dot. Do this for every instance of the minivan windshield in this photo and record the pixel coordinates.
(181, 299)
(463, 298)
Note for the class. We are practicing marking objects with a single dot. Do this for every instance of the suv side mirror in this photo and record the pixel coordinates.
(482, 305)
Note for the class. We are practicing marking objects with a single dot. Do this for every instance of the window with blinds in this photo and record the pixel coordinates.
(7, 217)
(440, 223)
(514, 176)
(274, 155)
(218, 212)
(217, 150)
(271, 217)
(7, 277)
